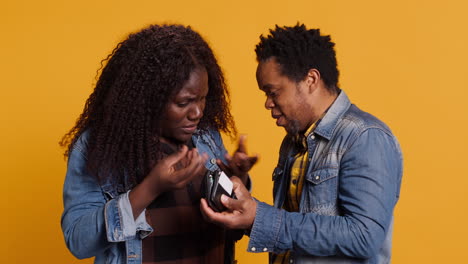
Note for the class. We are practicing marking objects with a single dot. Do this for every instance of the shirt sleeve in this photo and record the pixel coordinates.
(368, 189)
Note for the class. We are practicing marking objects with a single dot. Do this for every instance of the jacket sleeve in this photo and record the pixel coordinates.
(90, 223)
(368, 189)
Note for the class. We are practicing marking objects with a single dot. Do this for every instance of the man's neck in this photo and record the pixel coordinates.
(326, 100)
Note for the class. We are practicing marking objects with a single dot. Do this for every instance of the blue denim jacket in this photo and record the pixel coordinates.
(98, 221)
(350, 190)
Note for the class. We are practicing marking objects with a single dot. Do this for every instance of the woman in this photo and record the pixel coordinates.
(139, 151)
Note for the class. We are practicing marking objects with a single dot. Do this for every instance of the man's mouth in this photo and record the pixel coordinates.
(278, 118)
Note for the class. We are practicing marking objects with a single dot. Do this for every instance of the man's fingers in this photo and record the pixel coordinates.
(240, 213)
(212, 215)
(231, 204)
(236, 182)
(206, 210)
(239, 189)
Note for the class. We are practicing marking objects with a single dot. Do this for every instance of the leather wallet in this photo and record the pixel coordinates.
(214, 185)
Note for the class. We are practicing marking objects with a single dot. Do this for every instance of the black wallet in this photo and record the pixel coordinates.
(214, 185)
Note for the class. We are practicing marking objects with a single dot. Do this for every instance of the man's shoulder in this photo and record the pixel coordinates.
(360, 120)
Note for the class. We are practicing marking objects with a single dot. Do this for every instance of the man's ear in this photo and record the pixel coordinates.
(312, 79)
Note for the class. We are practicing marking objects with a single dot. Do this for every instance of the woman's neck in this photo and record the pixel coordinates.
(173, 144)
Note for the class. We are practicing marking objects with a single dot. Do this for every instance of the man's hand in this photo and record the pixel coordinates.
(239, 164)
(240, 213)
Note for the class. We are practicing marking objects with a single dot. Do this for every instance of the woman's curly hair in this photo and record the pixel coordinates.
(139, 77)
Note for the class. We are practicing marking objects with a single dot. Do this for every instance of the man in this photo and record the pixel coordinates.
(339, 171)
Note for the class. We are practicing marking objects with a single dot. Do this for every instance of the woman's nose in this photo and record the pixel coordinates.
(196, 112)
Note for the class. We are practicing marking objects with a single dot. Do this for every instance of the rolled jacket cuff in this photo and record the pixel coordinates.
(120, 222)
(265, 229)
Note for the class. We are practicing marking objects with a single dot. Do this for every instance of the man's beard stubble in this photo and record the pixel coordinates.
(297, 137)
(293, 127)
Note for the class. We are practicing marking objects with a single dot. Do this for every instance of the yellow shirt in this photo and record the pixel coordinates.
(296, 183)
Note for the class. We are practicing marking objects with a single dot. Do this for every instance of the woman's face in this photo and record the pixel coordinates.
(184, 110)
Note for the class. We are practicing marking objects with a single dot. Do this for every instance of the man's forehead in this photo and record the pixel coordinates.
(266, 87)
(268, 65)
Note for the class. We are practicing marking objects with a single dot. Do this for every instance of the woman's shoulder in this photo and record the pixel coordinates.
(208, 138)
(208, 133)
(81, 144)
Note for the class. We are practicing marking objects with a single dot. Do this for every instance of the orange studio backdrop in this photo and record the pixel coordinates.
(404, 61)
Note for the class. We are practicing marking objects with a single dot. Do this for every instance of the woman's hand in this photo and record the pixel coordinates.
(239, 164)
(173, 172)
(176, 170)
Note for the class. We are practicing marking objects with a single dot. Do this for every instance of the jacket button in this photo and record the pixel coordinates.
(265, 249)
(317, 177)
(253, 249)
(213, 161)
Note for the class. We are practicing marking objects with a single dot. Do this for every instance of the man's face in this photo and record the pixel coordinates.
(286, 99)
(184, 110)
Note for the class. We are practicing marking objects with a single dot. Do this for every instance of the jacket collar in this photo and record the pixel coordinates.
(328, 123)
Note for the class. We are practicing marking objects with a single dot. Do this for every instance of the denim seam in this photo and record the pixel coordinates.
(277, 227)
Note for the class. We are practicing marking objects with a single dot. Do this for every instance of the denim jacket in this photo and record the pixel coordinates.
(350, 190)
(98, 221)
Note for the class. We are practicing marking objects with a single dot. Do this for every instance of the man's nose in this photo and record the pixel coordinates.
(269, 104)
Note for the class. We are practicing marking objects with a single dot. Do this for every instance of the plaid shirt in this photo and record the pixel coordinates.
(296, 182)
(181, 235)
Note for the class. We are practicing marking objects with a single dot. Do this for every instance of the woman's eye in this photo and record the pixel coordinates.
(182, 104)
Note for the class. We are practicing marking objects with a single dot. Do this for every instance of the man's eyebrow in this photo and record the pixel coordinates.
(267, 86)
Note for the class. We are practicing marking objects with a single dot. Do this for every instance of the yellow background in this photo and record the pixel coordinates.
(404, 61)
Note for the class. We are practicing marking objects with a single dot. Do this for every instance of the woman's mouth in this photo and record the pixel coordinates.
(189, 129)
